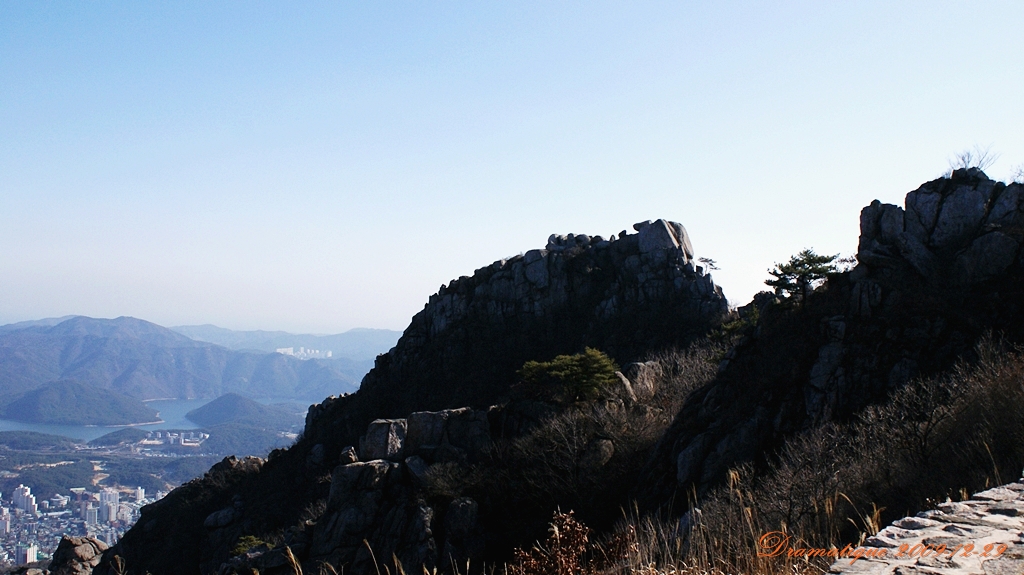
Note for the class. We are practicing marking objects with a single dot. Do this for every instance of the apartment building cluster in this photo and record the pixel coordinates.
(305, 353)
(31, 530)
(185, 438)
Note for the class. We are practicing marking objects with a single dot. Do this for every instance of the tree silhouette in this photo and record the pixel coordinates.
(797, 278)
(569, 378)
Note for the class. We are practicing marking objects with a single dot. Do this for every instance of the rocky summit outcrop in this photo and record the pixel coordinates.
(963, 229)
(362, 474)
(372, 507)
(76, 556)
(624, 295)
(933, 277)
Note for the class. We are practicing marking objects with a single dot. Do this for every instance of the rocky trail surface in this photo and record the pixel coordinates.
(981, 536)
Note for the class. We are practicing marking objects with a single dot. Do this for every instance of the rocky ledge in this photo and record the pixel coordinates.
(963, 229)
(625, 295)
(935, 542)
(376, 504)
(76, 555)
(932, 278)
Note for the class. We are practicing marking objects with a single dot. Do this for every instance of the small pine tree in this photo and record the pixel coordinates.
(569, 377)
(804, 272)
(245, 543)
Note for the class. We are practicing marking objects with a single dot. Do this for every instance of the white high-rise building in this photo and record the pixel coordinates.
(25, 554)
(125, 513)
(91, 516)
(140, 494)
(24, 500)
(110, 495)
(20, 493)
(108, 513)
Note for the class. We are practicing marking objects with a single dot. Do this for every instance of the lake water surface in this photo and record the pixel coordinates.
(172, 411)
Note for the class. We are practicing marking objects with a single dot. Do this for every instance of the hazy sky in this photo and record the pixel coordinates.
(315, 167)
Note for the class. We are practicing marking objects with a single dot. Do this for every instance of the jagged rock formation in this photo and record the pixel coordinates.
(178, 533)
(932, 278)
(626, 296)
(964, 229)
(76, 556)
(373, 507)
(935, 541)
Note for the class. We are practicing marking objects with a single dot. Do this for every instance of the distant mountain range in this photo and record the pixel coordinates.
(352, 352)
(98, 371)
(359, 345)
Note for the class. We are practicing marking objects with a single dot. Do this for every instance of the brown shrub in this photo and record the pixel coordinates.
(583, 457)
(934, 439)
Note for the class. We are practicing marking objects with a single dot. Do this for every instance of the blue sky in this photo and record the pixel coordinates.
(315, 167)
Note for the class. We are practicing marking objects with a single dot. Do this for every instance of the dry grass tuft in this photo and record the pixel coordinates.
(937, 438)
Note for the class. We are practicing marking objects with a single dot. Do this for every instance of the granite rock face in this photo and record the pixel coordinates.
(933, 277)
(377, 501)
(963, 229)
(377, 504)
(623, 295)
(369, 502)
(76, 556)
(451, 434)
(384, 439)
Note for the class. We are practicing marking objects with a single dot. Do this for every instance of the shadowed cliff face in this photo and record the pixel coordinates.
(625, 296)
(932, 279)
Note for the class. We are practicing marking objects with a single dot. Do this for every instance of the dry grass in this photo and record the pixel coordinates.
(835, 485)
(585, 457)
(938, 438)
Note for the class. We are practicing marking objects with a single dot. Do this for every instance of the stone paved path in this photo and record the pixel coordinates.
(990, 519)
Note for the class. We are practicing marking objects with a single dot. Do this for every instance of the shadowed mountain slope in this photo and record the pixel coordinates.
(440, 487)
(933, 278)
(625, 295)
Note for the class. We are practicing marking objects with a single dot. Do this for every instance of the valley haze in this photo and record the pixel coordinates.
(80, 370)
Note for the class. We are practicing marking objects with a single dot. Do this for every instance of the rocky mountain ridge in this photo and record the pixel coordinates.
(932, 279)
(625, 295)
